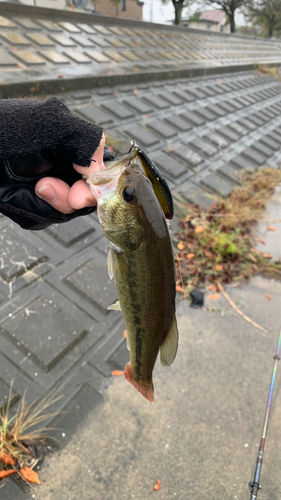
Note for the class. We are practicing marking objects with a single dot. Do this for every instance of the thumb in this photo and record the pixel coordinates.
(55, 192)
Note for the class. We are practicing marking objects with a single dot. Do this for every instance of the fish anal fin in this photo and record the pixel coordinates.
(146, 389)
(127, 342)
(168, 349)
(114, 307)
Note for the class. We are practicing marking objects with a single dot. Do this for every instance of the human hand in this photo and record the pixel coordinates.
(44, 145)
(67, 199)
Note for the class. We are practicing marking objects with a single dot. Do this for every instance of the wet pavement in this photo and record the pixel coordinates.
(200, 437)
(268, 229)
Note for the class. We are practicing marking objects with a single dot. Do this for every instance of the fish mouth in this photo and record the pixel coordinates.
(104, 182)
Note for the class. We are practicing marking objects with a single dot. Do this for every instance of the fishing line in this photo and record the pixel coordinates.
(185, 305)
(255, 484)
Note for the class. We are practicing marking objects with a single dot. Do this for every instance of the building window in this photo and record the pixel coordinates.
(123, 4)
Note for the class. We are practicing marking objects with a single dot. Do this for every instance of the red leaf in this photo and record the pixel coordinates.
(218, 267)
(267, 255)
(117, 373)
(157, 486)
(190, 255)
(125, 334)
(30, 475)
(271, 228)
(261, 241)
(214, 296)
(5, 473)
(7, 459)
(199, 229)
(180, 245)
(267, 296)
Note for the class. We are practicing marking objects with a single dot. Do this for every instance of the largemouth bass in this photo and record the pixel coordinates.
(141, 262)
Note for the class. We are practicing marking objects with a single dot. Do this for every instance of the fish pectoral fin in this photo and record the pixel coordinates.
(168, 349)
(114, 307)
(110, 264)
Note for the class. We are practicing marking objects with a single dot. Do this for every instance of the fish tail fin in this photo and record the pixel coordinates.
(146, 389)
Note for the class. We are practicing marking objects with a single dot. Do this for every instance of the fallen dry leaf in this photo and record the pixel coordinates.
(271, 228)
(252, 257)
(261, 241)
(137, 69)
(117, 373)
(212, 287)
(135, 92)
(199, 229)
(7, 459)
(218, 267)
(180, 245)
(5, 473)
(157, 486)
(60, 76)
(125, 334)
(179, 288)
(30, 475)
(190, 255)
(267, 296)
(20, 65)
(214, 296)
(267, 255)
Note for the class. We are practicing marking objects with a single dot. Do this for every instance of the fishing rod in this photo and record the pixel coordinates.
(255, 484)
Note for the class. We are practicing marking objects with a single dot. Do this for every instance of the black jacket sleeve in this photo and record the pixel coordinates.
(39, 138)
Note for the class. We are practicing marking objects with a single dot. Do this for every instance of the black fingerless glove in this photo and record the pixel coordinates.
(39, 138)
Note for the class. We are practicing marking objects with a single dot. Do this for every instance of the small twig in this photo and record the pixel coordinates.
(238, 310)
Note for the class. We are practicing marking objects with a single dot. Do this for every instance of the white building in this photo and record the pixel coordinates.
(211, 20)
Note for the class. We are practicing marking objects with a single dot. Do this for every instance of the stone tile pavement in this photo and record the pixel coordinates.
(36, 47)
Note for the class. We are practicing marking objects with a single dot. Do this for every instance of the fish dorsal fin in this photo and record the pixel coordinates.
(168, 349)
(110, 264)
(114, 307)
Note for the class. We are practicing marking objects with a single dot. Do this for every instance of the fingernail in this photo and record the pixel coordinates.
(47, 193)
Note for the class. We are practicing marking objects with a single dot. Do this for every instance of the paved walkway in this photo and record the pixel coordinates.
(201, 436)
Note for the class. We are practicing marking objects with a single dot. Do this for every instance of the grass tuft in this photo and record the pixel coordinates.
(20, 437)
(216, 245)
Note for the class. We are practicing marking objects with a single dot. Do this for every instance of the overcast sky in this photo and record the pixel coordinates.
(160, 13)
(155, 11)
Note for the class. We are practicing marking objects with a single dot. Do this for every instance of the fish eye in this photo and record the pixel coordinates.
(128, 194)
